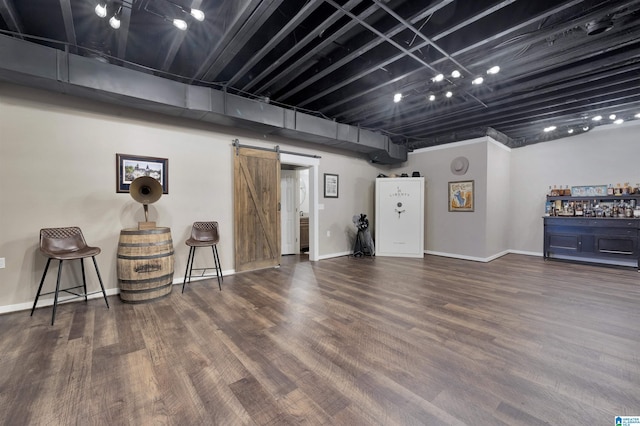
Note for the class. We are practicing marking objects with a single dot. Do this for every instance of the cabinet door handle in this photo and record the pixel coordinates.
(616, 252)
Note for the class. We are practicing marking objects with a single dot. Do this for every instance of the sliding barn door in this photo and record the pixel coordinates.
(256, 208)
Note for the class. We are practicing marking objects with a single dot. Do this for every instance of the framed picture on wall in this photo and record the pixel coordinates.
(129, 167)
(461, 196)
(330, 185)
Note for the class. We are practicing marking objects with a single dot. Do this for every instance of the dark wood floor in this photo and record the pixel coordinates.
(345, 341)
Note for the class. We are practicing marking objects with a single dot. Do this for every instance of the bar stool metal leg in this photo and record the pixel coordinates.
(55, 296)
(104, 293)
(187, 272)
(217, 259)
(216, 262)
(44, 274)
(84, 279)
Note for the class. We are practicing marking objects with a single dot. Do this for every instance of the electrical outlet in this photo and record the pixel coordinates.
(328, 233)
(1, 262)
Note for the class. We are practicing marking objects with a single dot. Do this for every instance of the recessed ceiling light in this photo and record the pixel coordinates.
(570, 131)
(479, 80)
(597, 118)
(397, 97)
(432, 97)
(619, 121)
(493, 70)
(612, 117)
(449, 94)
(550, 129)
(456, 74)
(438, 77)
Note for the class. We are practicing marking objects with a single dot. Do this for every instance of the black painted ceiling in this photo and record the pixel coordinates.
(561, 62)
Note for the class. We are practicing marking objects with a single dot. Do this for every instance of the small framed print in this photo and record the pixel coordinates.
(461, 196)
(330, 185)
(129, 167)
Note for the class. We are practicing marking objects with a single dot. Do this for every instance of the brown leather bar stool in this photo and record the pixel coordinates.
(66, 244)
(203, 234)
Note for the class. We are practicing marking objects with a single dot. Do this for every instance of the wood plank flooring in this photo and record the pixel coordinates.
(344, 341)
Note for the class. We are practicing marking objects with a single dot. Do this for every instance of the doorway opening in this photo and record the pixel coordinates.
(294, 170)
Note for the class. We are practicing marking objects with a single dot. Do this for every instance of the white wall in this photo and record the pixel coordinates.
(606, 155)
(458, 234)
(58, 168)
(497, 199)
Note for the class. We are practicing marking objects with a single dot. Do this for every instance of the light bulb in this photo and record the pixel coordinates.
(397, 97)
(619, 121)
(478, 80)
(570, 131)
(493, 70)
(198, 14)
(550, 129)
(180, 24)
(101, 10)
(448, 94)
(114, 22)
(456, 74)
(597, 118)
(432, 98)
(438, 77)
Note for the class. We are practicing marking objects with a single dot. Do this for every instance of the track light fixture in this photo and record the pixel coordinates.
(179, 24)
(196, 13)
(101, 9)
(114, 21)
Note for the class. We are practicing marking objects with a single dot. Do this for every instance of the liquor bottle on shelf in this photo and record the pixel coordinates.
(579, 209)
(617, 190)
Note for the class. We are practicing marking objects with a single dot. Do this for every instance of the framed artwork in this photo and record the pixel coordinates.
(330, 185)
(461, 196)
(129, 167)
(589, 191)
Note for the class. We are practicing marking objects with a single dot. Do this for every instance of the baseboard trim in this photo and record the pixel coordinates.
(483, 259)
(329, 256)
(44, 302)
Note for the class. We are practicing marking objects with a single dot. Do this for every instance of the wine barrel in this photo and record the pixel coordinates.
(145, 264)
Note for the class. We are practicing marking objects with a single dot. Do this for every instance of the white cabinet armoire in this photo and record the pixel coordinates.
(399, 217)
